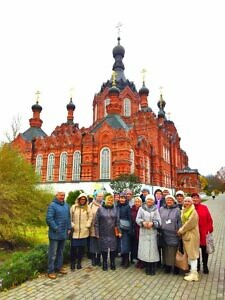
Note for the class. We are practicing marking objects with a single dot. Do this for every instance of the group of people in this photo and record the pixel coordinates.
(148, 228)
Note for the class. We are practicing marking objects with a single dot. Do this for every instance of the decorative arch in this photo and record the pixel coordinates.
(105, 163)
(39, 163)
(50, 167)
(63, 166)
(127, 107)
(76, 165)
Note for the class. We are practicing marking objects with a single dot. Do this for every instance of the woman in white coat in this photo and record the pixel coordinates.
(149, 220)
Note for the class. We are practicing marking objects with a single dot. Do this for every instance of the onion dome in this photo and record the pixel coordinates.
(70, 105)
(118, 50)
(114, 91)
(36, 107)
(144, 90)
(161, 105)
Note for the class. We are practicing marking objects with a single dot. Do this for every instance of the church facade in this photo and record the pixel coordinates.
(126, 137)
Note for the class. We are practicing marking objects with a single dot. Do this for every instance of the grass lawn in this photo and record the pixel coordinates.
(24, 242)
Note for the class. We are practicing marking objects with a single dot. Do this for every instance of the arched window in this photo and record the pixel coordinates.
(76, 165)
(50, 167)
(63, 166)
(39, 162)
(107, 101)
(127, 107)
(105, 163)
(132, 161)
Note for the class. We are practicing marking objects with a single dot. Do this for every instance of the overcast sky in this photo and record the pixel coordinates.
(56, 46)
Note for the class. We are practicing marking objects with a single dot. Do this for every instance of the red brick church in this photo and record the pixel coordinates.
(126, 137)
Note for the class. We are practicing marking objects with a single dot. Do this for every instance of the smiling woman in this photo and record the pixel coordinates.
(189, 233)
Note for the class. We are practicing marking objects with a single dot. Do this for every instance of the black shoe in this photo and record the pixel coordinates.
(93, 261)
(112, 266)
(98, 260)
(176, 271)
(167, 269)
(205, 270)
(152, 269)
(72, 267)
(104, 266)
(79, 266)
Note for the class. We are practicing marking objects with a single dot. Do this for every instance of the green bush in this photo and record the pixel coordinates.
(29, 265)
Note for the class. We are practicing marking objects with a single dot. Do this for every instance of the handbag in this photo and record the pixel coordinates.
(160, 239)
(210, 246)
(181, 261)
(116, 231)
(124, 224)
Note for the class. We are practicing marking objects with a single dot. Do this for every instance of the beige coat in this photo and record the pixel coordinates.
(190, 236)
(81, 218)
(94, 206)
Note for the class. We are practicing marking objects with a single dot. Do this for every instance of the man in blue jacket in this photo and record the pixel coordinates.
(58, 220)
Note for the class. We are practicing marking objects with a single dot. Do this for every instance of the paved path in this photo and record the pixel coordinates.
(129, 284)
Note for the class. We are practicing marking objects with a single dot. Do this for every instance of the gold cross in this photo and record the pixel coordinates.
(114, 78)
(37, 96)
(71, 93)
(161, 90)
(118, 26)
(143, 71)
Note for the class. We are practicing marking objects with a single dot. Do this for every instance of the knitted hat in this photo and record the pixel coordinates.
(180, 193)
(149, 196)
(171, 197)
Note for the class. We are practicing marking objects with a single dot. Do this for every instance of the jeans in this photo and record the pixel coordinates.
(55, 255)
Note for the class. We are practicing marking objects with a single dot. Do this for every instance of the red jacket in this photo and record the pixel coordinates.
(205, 222)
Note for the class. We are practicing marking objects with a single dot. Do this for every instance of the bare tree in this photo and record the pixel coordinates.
(15, 129)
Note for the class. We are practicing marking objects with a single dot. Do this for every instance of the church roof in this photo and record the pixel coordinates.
(114, 121)
(33, 132)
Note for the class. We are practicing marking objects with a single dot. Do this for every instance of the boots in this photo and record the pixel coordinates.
(192, 276)
(152, 268)
(98, 260)
(73, 251)
(167, 269)
(205, 257)
(122, 260)
(72, 266)
(112, 260)
(93, 259)
(80, 254)
(104, 264)
(126, 260)
(147, 268)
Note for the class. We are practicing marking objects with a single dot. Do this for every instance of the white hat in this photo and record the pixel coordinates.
(180, 193)
(170, 197)
(149, 196)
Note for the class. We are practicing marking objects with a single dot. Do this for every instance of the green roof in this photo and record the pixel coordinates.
(114, 121)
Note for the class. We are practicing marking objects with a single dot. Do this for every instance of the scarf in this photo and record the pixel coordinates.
(186, 212)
